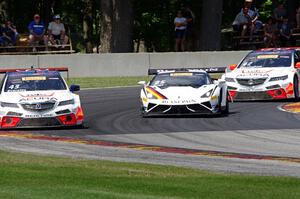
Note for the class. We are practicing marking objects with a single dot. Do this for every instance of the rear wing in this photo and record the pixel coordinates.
(208, 70)
(59, 69)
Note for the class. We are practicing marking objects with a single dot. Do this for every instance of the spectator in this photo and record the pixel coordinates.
(298, 16)
(57, 32)
(9, 34)
(254, 15)
(285, 33)
(242, 22)
(190, 33)
(279, 14)
(270, 31)
(180, 31)
(37, 32)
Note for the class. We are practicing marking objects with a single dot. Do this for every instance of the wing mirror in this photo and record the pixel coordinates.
(142, 82)
(219, 81)
(74, 88)
(297, 65)
(232, 67)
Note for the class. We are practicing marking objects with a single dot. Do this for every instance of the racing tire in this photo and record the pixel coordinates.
(296, 89)
(223, 110)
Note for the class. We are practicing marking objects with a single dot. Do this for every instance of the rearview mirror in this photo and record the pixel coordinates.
(142, 82)
(74, 88)
(232, 67)
(297, 65)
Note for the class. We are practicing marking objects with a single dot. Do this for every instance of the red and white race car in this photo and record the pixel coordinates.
(38, 98)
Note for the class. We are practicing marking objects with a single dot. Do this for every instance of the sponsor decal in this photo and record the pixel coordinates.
(155, 93)
(39, 116)
(35, 78)
(180, 74)
(37, 96)
(191, 101)
(267, 56)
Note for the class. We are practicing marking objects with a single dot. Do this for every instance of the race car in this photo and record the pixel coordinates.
(38, 98)
(266, 74)
(182, 92)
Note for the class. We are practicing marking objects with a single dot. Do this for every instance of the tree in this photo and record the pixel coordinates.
(211, 20)
(4, 9)
(88, 25)
(116, 26)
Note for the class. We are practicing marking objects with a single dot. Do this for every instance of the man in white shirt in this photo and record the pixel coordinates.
(57, 32)
(180, 31)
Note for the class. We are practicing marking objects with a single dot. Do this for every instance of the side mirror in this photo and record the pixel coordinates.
(74, 88)
(219, 81)
(142, 82)
(232, 67)
(297, 65)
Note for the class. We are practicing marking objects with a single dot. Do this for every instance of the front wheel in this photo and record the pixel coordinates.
(225, 111)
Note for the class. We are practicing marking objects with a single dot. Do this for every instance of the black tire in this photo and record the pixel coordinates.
(296, 88)
(226, 110)
(223, 110)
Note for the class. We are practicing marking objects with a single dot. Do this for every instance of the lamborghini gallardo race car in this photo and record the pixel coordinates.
(183, 91)
(265, 74)
(38, 98)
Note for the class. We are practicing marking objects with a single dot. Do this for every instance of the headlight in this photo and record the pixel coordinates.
(207, 94)
(229, 79)
(279, 78)
(67, 102)
(8, 105)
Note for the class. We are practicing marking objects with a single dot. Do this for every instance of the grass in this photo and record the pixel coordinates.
(31, 176)
(102, 82)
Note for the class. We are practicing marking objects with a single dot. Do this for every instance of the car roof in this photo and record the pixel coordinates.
(291, 49)
(33, 72)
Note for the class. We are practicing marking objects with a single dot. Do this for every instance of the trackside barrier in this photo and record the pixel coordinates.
(123, 64)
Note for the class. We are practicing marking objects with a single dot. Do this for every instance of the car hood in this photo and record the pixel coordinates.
(259, 72)
(184, 92)
(35, 96)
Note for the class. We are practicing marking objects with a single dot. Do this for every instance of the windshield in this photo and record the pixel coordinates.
(180, 79)
(259, 60)
(33, 82)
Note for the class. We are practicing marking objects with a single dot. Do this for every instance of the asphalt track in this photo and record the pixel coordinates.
(255, 128)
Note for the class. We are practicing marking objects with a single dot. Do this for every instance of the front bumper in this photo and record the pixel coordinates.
(276, 94)
(188, 109)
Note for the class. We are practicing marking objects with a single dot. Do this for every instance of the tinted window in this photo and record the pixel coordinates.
(33, 82)
(180, 79)
(278, 59)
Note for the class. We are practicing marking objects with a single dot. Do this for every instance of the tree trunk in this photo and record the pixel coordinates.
(123, 26)
(210, 33)
(106, 33)
(291, 10)
(116, 26)
(88, 26)
(4, 10)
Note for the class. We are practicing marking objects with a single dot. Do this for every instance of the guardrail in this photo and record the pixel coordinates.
(123, 64)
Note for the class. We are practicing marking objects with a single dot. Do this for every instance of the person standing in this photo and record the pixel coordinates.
(180, 23)
(37, 32)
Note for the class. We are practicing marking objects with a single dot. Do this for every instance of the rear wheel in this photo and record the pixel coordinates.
(296, 88)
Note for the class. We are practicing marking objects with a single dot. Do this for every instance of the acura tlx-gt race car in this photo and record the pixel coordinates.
(184, 91)
(38, 98)
(265, 74)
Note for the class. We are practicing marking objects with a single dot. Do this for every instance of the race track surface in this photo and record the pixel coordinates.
(258, 128)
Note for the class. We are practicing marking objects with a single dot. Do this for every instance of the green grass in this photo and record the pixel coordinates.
(102, 82)
(31, 176)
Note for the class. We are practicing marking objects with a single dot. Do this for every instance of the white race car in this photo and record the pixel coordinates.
(38, 98)
(265, 74)
(184, 91)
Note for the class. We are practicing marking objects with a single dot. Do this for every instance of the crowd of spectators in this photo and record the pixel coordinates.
(184, 29)
(54, 34)
(277, 31)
